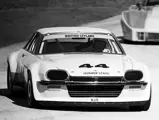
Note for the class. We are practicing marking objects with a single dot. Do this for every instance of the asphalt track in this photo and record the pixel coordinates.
(15, 108)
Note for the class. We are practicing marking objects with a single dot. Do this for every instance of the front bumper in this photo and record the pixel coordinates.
(131, 92)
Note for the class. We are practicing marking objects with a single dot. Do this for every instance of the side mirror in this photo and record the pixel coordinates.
(139, 5)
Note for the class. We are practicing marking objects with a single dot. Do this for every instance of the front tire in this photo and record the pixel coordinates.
(30, 95)
(143, 107)
(9, 81)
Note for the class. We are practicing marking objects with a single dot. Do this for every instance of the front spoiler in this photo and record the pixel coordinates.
(93, 104)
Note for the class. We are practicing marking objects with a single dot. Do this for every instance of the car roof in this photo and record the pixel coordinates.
(72, 29)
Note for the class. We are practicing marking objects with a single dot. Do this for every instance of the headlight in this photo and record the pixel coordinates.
(140, 35)
(133, 75)
(56, 75)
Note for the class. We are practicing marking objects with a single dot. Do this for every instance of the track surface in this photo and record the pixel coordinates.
(15, 108)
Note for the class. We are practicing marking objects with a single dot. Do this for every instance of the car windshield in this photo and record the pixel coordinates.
(152, 2)
(80, 45)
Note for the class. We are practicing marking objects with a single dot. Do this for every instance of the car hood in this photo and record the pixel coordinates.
(90, 64)
(151, 23)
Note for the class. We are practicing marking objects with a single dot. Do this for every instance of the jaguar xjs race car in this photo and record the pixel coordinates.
(78, 66)
(140, 22)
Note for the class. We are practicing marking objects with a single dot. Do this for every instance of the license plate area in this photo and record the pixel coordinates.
(94, 99)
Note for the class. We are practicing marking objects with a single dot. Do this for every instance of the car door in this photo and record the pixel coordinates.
(21, 54)
(29, 55)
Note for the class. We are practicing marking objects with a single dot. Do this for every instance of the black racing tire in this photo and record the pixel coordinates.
(9, 82)
(147, 105)
(143, 107)
(32, 103)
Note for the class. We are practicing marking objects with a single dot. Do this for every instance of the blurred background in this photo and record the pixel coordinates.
(20, 18)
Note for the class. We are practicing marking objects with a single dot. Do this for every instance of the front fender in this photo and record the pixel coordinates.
(142, 67)
(12, 61)
(38, 70)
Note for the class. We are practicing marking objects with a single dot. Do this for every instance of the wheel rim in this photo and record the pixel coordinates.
(29, 93)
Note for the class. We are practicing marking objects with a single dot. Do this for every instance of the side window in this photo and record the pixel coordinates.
(33, 48)
(26, 47)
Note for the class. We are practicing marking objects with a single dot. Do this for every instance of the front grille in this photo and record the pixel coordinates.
(98, 90)
(153, 36)
(94, 91)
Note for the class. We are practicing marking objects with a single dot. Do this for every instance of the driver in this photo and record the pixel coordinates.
(101, 45)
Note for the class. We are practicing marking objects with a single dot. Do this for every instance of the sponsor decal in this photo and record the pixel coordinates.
(79, 36)
(95, 73)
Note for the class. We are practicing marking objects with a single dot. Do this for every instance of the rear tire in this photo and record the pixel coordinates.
(30, 95)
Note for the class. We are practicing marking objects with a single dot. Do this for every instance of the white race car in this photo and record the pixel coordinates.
(140, 22)
(80, 66)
